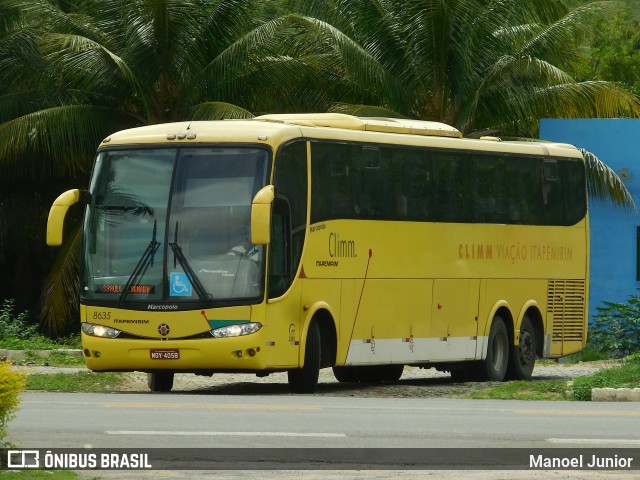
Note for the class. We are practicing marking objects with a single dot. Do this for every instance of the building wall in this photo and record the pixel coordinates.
(614, 231)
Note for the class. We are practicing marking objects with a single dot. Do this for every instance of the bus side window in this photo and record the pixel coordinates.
(289, 216)
(280, 276)
(552, 193)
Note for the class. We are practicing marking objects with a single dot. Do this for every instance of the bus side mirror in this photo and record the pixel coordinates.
(57, 213)
(261, 215)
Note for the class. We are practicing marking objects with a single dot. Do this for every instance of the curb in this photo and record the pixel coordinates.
(12, 354)
(615, 394)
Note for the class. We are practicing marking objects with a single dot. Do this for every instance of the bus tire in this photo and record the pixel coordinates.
(523, 356)
(494, 367)
(369, 374)
(305, 379)
(383, 373)
(464, 373)
(345, 374)
(160, 381)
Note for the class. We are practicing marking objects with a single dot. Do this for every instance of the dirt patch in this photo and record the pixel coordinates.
(415, 382)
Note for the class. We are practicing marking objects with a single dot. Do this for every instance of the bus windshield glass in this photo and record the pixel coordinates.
(173, 225)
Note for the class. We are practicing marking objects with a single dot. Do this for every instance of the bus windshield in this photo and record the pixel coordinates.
(173, 225)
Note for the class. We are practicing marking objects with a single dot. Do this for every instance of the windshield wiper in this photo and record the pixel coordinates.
(145, 260)
(184, 263)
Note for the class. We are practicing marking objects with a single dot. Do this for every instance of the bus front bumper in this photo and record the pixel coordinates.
(242, 353)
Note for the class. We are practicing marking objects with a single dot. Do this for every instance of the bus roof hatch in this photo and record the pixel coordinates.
(374, 124)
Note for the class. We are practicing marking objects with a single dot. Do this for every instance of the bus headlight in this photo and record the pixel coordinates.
(236, 330)
(100, 330)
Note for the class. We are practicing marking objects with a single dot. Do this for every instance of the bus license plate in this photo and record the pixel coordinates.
(164, 354)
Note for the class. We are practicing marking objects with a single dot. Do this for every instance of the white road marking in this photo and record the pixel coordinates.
(224, 434)
(595, 441)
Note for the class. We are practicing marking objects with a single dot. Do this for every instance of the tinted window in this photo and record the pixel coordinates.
(398, 183)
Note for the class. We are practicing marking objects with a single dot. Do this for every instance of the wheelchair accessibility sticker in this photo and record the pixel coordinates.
(179, 285)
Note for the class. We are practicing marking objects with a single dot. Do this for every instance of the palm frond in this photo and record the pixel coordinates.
(365, 110)
(60, 298)
(86, 64)
(597, 99)
(551, 40)
(604, 184)
(342, 59)
(55, 141)
(218, 111)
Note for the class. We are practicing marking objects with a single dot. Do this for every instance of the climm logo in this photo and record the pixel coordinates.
(339, 248)
(470, 251)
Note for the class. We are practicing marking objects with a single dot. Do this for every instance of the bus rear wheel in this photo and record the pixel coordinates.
(160, 381)
(305, 379)
(346, 374)
(523, 355)
(494, 367)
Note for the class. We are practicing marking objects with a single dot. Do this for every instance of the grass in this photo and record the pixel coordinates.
(625, 375)
(75, 382)
(40, 342)
(53, 359)
(40, 475)
(525, 390)
(586, 355)
(83, 381)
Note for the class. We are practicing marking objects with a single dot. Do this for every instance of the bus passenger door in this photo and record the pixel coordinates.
(283, 314)
(454, 319)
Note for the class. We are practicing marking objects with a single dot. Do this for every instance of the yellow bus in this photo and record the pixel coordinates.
(296, 242)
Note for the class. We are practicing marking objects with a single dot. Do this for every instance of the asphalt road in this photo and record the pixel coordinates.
(58, 420)
(145, 420)
(212, 417)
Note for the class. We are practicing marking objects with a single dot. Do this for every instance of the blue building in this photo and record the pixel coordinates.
(615, 232)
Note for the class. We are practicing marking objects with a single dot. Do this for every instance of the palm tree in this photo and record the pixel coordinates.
(487, 67)
(73, 72)
(483, 66)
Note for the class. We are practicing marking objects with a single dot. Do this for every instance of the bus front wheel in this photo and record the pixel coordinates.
(305, 379)
(160, 381)
(494, 367)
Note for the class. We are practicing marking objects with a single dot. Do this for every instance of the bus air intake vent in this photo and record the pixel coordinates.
(566, 308)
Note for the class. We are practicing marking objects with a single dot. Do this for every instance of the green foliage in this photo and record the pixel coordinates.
(525, 390)
(75, 382)
(73, 72)
(41, 475)
(615, 329)
(614, 45)
(11, 384)
(626, 375)
(51, 359)
(483, 67)
(14, 326)
(17, 334)
(586, 355)
(58, 359)
(94, 67)
(40, 342)
(616, 52)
